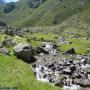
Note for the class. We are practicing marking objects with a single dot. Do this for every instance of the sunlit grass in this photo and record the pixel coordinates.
(16, 73)
(80, 46)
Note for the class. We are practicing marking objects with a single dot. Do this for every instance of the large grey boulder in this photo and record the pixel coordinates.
(25, 52)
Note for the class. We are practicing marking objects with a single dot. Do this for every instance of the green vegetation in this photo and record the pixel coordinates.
(44, 37)
(80, 46)
(76, 40)
(33, 39)
(16, 73)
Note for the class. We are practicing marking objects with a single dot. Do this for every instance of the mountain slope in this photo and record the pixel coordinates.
(51, 12)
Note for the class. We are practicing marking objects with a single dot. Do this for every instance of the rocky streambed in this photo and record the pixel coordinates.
(71, 74)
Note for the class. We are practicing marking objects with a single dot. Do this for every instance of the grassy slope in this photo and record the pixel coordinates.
(49, 13)
(16, 73)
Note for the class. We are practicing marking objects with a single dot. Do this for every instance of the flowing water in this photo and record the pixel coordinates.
(85, 66)
(72, 87)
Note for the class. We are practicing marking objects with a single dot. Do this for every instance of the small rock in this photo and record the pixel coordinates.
(70, 51)
(4, 51)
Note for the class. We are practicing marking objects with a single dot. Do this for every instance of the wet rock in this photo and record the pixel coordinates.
(53, 52)
(73, 68)
(50, 65)
(25, 52)
(41, 50)
(61, 63)
(58, 83)
(70, 51)
(50, 46)
(87, 69)
(33, 65)
(76, 75)
(53, 68)
(83, 83)
(84, 60)
(71, 61)
(54, 46)
(67, 71)
(76, 62)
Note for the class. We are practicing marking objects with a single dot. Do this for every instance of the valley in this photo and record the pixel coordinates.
(45, 45)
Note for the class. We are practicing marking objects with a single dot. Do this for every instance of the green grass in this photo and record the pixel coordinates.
(74, 32)
(80, 46)
(44, 37)
(36, 43)
(16, 73)
(2, 36)
(19, 39)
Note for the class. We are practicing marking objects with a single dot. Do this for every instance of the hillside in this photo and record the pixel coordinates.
(51, 12)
